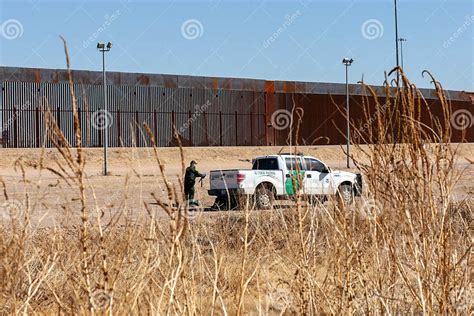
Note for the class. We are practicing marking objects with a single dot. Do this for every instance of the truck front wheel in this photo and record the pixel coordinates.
(264, 197)
(345, 194)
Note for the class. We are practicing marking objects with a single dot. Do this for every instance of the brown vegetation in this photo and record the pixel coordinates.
(405, 247)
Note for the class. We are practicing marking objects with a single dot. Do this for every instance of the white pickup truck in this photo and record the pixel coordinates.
(282, 176)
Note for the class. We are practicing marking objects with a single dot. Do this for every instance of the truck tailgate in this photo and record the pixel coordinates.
(226, 179)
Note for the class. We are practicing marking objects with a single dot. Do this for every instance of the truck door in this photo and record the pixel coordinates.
(317, 178)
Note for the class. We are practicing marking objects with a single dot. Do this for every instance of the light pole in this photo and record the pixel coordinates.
(347, 62)
(396, 40)
(103, 48)
(401, 40)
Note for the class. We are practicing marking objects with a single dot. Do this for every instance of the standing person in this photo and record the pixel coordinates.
(190, 181)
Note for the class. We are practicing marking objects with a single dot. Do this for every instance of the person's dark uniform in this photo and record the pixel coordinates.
(190, 181)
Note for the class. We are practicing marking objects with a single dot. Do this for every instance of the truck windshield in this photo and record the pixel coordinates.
(265, 164)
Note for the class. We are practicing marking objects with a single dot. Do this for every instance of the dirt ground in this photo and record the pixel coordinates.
(135, 176)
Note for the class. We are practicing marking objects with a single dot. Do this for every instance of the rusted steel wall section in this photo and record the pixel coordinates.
(205, 111)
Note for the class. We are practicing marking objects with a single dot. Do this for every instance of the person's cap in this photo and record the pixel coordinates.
(193, 162)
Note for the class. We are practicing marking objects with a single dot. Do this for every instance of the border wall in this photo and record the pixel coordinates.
(205, 111)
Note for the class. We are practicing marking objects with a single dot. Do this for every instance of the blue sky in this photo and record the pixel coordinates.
(276, 40)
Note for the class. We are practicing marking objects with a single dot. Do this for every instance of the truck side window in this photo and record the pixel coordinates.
(314, 165)
(293, 164)
(265, 164)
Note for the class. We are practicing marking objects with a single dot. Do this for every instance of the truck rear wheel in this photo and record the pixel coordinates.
(264, 197)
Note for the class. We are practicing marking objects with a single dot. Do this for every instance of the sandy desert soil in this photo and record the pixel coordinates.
(135, 175)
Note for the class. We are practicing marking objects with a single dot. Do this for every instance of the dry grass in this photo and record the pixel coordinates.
(405, 247)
